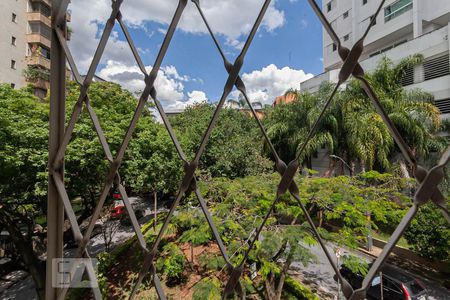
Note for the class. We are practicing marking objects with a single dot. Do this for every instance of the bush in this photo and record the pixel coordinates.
(207, 288)
(300, 291)
(172, 263)
(429, 234)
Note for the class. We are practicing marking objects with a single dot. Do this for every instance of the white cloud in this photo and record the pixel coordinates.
(172, 72)
(303, 23)
(162, 30)
(269, 82)
(231, 18)
(170, 89)
(194, 97)
(197, 96)
(168, 84)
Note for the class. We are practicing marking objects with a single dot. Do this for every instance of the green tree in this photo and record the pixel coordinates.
(234, 148)
(150, 162)
(23, 162)
(429, 234)
(288, 244)
(289, 124)
(351, 127)
(411, 111)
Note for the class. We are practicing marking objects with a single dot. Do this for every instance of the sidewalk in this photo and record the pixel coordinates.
(423, 268)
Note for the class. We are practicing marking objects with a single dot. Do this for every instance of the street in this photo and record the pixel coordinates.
(322, 273)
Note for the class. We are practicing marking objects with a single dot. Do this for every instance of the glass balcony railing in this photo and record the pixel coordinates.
(396, 9)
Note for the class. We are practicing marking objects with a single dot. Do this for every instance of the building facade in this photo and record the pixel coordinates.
(403, 27)
(25, 39)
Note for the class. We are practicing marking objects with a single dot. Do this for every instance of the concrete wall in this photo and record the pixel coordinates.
(8, 51)
(312, 85)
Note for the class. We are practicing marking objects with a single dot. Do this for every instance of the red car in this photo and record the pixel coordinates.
(118, 211)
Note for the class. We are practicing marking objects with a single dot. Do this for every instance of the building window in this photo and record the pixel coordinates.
(346, 37)
(14, 18)
(374, 20)
(13, 85)
(40, 28)
(328, 6)
(41, 8)
(364, 2)
(334, 47)
(45, 52)
(13, 64)
(396, 9)
(13, 40)
(443, 105)
(345, 15)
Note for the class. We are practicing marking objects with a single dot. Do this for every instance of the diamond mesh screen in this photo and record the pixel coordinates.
(428, 179)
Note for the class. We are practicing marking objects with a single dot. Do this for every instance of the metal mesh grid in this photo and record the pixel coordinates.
(428, 179)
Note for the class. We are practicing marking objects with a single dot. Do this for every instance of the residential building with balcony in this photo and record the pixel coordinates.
(25, 43)
(403, 28)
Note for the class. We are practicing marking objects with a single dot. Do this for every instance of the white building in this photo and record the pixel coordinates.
(403, 27)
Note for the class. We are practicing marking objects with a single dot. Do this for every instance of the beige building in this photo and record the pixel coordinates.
(25, 35)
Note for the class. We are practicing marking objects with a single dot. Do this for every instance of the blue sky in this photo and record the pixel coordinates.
(286, 50)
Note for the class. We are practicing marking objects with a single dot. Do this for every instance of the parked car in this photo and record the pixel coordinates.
(397, 285)
(118, 212)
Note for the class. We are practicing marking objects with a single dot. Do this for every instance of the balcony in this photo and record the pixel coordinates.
(48, 2)
(42, 84)
(39, 17)
(38, 60)
(39, 39)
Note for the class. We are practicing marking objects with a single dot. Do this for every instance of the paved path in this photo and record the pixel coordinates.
(322, 274)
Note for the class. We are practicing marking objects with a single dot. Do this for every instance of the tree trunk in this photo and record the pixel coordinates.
(309, 162)
(404, 168)
(25, 247)
(341, 168)
(282, 279)
(270, 286)
(405, 174)
(155, 203)
(352, 170)
(331, 166)
(320, 214)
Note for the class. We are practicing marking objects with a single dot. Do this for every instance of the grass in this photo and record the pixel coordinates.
(385, 237)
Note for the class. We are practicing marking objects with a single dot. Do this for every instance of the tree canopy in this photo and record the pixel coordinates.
(235, 146)
(352, 129)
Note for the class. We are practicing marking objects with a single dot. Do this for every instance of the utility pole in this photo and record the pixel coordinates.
(369, 231)
(338, 255)
(381, 285)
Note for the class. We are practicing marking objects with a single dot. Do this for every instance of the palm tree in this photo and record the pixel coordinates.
(351, 128)
(411, 111)
(289, 124)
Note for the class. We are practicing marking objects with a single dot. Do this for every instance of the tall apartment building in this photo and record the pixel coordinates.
(25, 38)
(403, 28)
